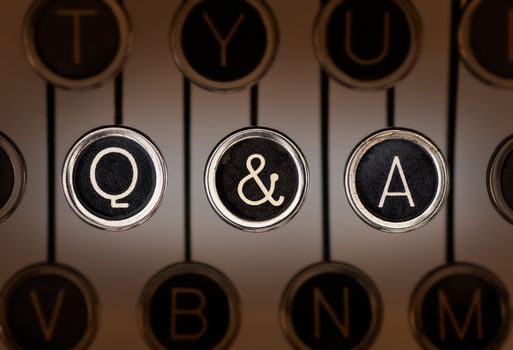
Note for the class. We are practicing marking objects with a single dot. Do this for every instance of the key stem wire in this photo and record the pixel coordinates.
(118, 99)
(187, 167)
(253, 105)
(451, 125)
(118, 94)
(325, 150)
(50, 141)
(390, 96)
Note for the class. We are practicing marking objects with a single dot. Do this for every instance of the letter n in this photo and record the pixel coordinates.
(342, 323)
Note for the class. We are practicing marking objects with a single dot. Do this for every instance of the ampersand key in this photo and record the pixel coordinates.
(114, 178)
(256, 179)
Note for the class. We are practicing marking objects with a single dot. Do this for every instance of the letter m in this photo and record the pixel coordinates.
(446, 313)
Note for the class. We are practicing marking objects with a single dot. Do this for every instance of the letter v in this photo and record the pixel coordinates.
(48, 329)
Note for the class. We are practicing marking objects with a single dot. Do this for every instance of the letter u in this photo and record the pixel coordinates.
(349, 42)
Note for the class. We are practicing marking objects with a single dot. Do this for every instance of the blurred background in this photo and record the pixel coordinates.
(260, 265)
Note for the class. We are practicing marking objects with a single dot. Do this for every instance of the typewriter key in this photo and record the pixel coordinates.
(189, 306)
(460, 307)
(12, 176)
(48, 307)
(114, 178)
(396, 180)
(224, 45)
(77, 44)
(486, 40)
(256, 179)
(331, 306)
(500, 172)
(367, 49)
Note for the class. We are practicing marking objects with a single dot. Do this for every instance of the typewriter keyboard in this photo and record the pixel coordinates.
(250, 174)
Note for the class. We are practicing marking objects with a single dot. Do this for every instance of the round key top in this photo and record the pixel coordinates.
(396, 180)
(224, 45)
(189, 306)
(48, 307)
(331, 306)
(114, 178)
(500, 172)
(486, 40)
(256, 179)
(12, 176)
(367, 44)
(460, 307)
(77, 44)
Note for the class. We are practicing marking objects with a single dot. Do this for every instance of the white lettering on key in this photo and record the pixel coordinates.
(396, 164)
(114, 198)
(253, 174)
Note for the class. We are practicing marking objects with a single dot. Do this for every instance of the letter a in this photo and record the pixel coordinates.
(318, 300)
(396, 163)
(349, 42)
(197, 312)
(461, 331)
(48, 328)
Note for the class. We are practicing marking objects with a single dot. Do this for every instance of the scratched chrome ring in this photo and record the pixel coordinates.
(421, 141)
(73, 276)
(214, 197)
(35, 61)
(70, 190)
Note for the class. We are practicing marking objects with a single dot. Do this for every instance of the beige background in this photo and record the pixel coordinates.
(120, 264)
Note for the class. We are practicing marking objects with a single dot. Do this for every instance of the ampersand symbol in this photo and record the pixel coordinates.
(253, 174)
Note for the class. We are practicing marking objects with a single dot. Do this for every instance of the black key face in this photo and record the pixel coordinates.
(394, 167)
(505, 179)
(242, 195)
(225, 44)
(500, 173)
(106, 171)
(461, 307)
(367, 43)
(486, 40)
(190, 306)
(331, 306)
(256, 179)
(6, 177)
(77, 43)
(12, 176)
(113, 176)
(49, 307)
(396, 179)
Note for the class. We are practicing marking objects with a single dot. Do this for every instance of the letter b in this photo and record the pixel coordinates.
(178, 313)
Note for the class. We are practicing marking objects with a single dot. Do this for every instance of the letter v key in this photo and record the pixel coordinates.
(48, 329)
